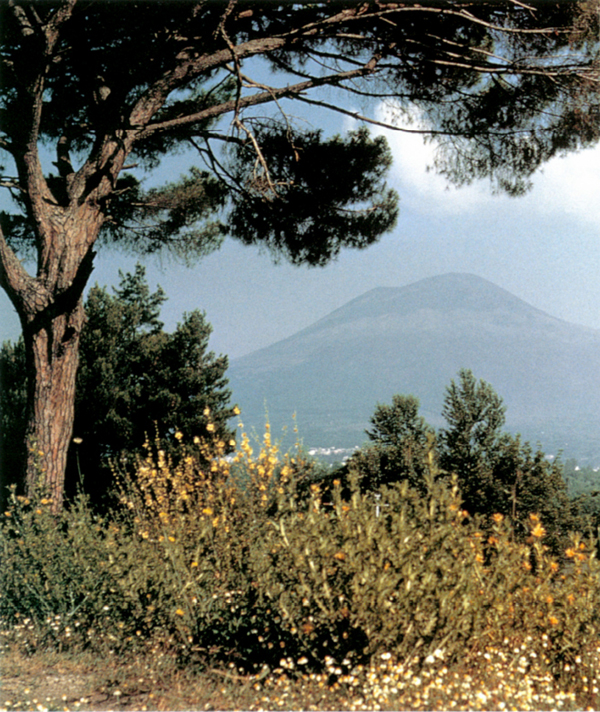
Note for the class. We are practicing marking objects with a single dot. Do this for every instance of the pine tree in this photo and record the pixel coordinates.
(135, 382)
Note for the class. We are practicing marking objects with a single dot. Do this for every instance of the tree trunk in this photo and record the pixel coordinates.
(53, 355)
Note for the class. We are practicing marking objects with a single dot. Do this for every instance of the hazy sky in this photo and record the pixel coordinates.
(544, 248)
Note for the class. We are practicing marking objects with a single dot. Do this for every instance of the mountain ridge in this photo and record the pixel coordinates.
(414, 339)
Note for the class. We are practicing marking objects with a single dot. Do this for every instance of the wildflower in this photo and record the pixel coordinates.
(340, 555)
(497, 517)
(179, 435)
(553, 620)
(211, 428)
(179, 612)
(570, 553)
(538, 531)
(208, 511)
(236, 410)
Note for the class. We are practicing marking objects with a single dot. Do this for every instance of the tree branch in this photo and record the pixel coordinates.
(256, 99)
(24, 291)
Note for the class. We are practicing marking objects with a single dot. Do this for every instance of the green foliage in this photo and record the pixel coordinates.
(278, 208)
(196, 560)
(495, 472)
(470, 443)
(133, 379)
(403, 447)
(13, 413)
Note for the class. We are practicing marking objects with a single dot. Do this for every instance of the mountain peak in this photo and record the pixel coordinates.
(413, 340)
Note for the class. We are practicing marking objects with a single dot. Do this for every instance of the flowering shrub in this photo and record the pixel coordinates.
(231, 559)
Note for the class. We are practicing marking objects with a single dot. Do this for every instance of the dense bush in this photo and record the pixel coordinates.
(229, 561)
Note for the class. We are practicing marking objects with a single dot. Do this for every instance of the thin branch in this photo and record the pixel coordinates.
(256, 99)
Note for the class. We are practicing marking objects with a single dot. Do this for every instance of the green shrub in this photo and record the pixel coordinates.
(228, 561)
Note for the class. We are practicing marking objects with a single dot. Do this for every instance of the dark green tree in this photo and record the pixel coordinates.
(135, 381)
(108, 86)
(13, 414)
(473, 439)
(496, 472)
(402, 444)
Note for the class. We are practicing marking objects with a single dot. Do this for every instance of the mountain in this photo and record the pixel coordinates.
(414, 339)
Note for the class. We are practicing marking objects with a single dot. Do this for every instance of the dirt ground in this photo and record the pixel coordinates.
(57, 682)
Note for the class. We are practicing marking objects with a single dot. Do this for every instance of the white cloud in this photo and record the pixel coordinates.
(566, 185)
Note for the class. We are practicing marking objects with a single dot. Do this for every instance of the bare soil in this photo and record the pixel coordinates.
(54, 681)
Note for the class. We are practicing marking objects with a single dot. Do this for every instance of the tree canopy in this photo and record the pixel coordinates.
(109, 89)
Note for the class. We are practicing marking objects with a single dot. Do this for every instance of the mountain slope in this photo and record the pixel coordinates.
(414, 339)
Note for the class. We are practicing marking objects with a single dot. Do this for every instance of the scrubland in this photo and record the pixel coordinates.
(219, 582)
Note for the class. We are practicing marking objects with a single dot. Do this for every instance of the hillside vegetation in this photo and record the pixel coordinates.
(312, 592)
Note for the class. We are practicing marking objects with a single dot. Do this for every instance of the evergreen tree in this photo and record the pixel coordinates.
(402, 444)
(135, 381)
(472, 442)
(496, 472)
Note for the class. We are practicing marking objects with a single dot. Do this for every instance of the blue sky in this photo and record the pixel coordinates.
(544, 248)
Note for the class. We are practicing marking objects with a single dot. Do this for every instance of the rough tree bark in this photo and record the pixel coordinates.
(50, 307)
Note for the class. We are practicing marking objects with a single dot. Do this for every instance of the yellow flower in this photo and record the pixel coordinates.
(497, 517)
(179, 435)
(538, 531)
(179, 612)
(570, 553)
(207, 510)
(194, 564)
(211, 428)
(236, 410)
(340, 556)
(553, 620)
(549, 600)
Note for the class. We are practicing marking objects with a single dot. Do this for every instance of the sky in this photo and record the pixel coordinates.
(543, 248)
